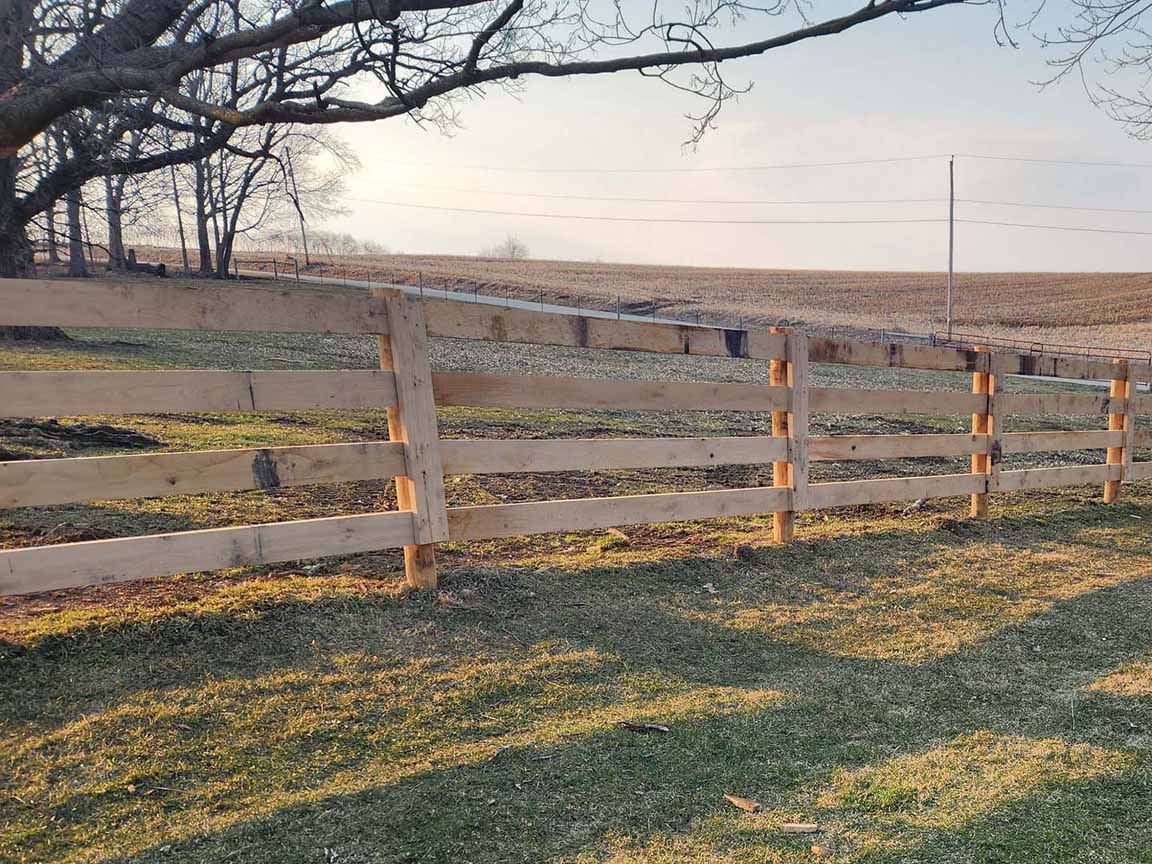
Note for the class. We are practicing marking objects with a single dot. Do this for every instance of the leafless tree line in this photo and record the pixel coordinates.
(111, 105)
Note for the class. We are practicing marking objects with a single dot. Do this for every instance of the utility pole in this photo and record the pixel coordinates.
(296, 201)
(951, 234)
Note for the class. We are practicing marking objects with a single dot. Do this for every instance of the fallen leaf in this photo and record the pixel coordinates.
(745, 804)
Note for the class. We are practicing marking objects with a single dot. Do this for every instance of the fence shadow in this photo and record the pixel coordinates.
(536, 801)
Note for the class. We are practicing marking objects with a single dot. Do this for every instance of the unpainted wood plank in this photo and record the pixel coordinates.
(1046, 442)
(70, 565)
(413, 422)
(843, 448)
(1140, 471)
(798, 392)
(1060, 403)
(852, 493)
(1048, 478)
(829, 400)
(450, 318)
(40, 482)
(175, 305)
(891, 354)
(522, 391)
(80, 392)
(603, 454)
(543, 517)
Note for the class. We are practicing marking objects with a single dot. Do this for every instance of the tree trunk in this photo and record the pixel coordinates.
(53, 245)
(76, 263)
(202, 221)
(15, 249)
(113, 203)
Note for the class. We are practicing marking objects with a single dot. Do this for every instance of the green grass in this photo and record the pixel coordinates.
(924, 688)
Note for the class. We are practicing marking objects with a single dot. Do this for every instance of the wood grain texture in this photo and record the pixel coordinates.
(852, 493)
(828, 400)
(1046, 478)
(602, 454)
(183, 306)
(542, 517)
(76, 393)
(1060, 403)
(69, 565)
(40, 482)
(451, 318)
(521, 391)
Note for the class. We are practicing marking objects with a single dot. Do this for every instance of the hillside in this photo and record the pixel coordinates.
(1071, 308)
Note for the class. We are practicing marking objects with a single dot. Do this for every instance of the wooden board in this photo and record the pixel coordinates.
(1139, 471)
(852, 493)
(40, 482)
(68, 565)
(602, 454)
(413, 421)
(520, 391)
(845, 448)
(798, 391)
(183, 306)
(1045, 478)
(892, 354)
(543, 517)
(1059, 403)
(1045, 442)
(828, 400)
(75, 393)
(451, 318)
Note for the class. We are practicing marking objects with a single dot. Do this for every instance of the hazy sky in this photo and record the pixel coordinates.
(934, 83)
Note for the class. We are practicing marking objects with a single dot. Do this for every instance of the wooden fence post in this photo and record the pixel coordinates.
(982, 384)
(782, 521)
(1120, 421)
(413, 420)
(791, 372)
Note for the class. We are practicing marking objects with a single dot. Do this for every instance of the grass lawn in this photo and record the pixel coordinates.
(922, 687)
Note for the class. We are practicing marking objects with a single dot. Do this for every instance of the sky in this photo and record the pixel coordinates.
(934, 83)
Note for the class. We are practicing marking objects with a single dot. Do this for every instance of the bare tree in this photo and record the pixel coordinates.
(58, 57)
(510, 247)
(1108, 46)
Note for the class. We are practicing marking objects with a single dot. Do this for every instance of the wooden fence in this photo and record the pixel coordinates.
(419, 460)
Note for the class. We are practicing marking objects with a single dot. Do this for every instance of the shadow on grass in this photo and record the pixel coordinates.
(537, 768)
(535, 801)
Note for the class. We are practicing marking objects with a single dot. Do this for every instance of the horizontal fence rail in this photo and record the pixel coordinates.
(419, 459)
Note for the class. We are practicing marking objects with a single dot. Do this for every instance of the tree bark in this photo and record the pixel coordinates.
(53, 243)
(113, 203)
(76, 263)
(16, 252)
(15, 249)
(202, 242)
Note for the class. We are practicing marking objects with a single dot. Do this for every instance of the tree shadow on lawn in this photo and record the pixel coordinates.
(602, 786)
(410, 704)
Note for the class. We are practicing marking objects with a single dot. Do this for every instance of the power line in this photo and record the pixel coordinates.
(767, 167)
(1053, 206)
(1084, 162)
(640, 200)
(1057, 227)
(673, 220)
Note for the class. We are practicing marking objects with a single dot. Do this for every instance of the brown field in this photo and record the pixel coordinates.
(1098, 309)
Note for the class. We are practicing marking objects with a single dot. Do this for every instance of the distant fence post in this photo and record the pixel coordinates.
(791, 423)
(989, 423)
(1120, 420)
(413, 421)
(778, 377)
